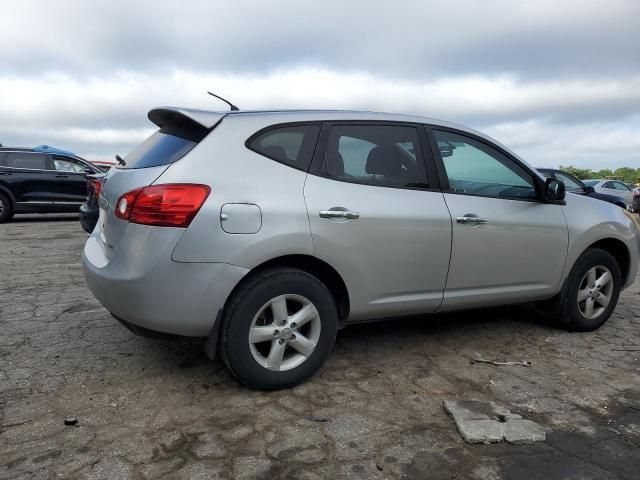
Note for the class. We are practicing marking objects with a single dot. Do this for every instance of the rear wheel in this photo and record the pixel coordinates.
(278, 328)
(6, 209)
(590, 293)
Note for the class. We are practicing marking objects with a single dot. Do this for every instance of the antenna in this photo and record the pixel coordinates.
(233, 107)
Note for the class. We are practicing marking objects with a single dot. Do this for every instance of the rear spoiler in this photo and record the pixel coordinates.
(163, 116)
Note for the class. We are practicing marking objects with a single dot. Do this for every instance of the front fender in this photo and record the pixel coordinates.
(591, 221)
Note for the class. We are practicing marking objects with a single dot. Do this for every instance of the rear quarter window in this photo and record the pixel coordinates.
(292, 145)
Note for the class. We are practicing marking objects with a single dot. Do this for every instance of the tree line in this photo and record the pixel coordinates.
(626, 174)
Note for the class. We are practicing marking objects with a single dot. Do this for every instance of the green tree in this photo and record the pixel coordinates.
(581, 173)
(627, 174)
(604, 173)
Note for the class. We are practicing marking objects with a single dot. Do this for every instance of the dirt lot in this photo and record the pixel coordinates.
(151, 408)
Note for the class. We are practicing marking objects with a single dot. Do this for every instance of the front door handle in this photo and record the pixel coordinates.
(471, 219)
(339, 214)
(62, 176)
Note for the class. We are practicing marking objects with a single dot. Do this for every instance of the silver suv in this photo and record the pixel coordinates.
(266, 232)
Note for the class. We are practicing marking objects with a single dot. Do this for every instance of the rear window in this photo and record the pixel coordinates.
(292, 145)
(167, 145)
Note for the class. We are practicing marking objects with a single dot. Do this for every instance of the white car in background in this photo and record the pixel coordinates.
(612, 187)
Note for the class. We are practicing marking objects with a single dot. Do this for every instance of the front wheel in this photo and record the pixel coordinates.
(278, 328)
(590, 293)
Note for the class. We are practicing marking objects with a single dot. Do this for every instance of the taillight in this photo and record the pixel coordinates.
(96, 185)
(170, 205)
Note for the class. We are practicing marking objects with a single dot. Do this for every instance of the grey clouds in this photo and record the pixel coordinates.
(559, 82)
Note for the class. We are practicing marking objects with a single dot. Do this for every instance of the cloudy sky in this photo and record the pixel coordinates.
(557, 81)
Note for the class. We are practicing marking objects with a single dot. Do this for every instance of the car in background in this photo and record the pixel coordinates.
(575, 185)
(267, 231)
(89, 210)
(43, 179)
(612, 187)
(635, 206)
(102, 165)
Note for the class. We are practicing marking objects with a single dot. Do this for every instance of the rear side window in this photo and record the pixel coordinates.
(32, 161)
(381, 155)
(292, 145)
(167, 145)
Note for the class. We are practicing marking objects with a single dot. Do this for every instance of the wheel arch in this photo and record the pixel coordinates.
(620, 252)
(8, 193)
(319, 269)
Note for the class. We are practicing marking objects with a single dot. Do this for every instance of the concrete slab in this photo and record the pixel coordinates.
(486, 422)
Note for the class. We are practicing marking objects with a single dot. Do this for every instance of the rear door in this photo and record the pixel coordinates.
(378, 218)
(506, 246)
(29, 179)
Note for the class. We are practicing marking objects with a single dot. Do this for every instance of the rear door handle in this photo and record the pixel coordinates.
(339, 214)
(471, 219)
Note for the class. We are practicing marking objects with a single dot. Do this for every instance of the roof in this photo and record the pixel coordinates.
(210, 118)
(53, 150)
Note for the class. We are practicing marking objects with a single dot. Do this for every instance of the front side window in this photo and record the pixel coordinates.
(292, 145)
(32, 161)
(475, 168)
(381, 155)
(621, 186)
(66, 165)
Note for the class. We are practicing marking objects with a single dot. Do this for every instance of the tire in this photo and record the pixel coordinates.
(572, 312)
(258, 307)
(6, 209)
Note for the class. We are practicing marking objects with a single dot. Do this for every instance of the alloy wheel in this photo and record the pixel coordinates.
(595, 292)
(284, 333)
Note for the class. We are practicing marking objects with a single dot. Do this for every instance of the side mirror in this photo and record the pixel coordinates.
(590, 189)
(554, 191)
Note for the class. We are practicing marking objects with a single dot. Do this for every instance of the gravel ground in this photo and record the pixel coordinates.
(149, 408)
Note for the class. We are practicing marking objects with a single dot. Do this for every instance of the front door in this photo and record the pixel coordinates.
(374, 218)
(70, 181)
(507, 246)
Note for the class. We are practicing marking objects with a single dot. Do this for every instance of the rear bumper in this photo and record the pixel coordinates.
(144, 287)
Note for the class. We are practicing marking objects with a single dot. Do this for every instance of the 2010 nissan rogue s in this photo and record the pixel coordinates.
(268, 231)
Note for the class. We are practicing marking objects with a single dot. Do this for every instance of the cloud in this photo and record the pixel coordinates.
(556, 80)
(96, 113)
(415, 38)
(595, 145)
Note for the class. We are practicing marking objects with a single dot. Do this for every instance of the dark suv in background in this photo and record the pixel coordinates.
(42, 180)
